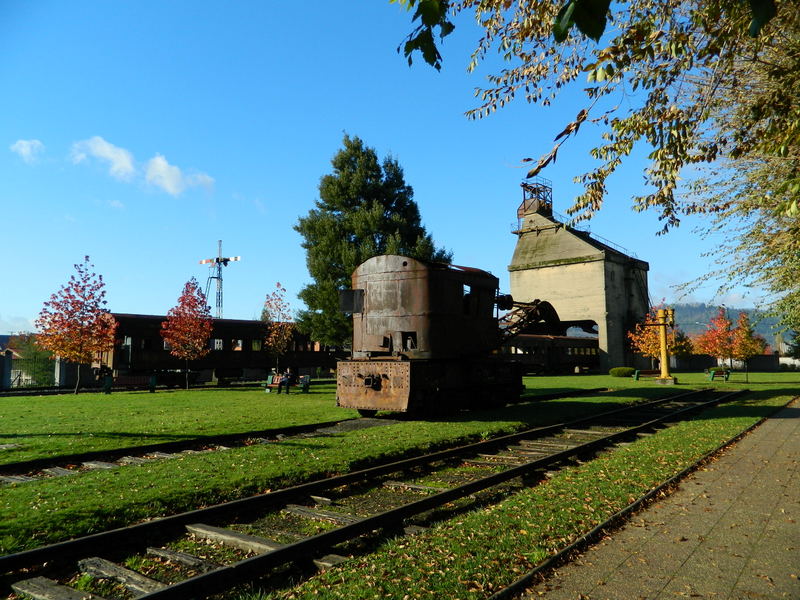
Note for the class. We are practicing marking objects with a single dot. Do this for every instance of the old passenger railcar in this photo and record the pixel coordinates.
(424, 336)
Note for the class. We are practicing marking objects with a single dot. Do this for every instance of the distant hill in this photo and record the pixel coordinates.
(693, 318)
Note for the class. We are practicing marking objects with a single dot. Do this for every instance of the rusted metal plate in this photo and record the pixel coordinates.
(373, 385)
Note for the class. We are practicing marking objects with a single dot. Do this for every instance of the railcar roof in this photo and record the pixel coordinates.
(435, 265)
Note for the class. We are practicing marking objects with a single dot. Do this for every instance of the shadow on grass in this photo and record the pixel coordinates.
(749, 407)
(103, 434)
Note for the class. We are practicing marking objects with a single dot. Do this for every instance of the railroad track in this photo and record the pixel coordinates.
(288, 532)
(72, 464)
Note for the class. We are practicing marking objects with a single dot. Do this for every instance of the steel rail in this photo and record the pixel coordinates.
(25, 466)
(130, 536)
(37, 464)
(248, 569)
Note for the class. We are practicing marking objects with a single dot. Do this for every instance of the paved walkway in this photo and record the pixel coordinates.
(731, 531)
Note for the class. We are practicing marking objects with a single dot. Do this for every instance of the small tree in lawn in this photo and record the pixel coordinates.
(717, 339)
(74, 324)
(644, 338)
(188, 325)
(278, 317)
(745, 342)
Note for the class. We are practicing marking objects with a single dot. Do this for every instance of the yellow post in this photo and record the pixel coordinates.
(662, 337)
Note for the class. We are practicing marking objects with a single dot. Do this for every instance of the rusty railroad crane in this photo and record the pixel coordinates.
(425, 338)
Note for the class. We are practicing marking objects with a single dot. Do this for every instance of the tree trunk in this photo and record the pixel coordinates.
(78, 380)
(187, 373)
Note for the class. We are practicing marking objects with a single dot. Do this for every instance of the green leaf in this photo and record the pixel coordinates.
(564, 22)
(590, 17)
(431, 12)
(763, 11)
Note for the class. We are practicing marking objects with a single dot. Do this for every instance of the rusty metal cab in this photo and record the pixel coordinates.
(422, 332)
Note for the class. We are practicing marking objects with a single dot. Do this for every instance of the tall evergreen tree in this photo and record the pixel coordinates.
(365, 208)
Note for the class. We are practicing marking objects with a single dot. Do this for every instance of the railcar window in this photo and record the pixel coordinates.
(467, 294)
(257, 344)
(236, 345)
(215, 344)
(167, 345)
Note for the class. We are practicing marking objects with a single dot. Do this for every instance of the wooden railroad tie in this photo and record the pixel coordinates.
(100, 464)
(328, 561)
(16, 478)
(413, 486)
(321, 515)
(528, 451)
(182, 558)
(57, 471)
(586, 432)
(501, 459)
(135, 582)
(42, 588)
(132, 460)
(546, 444)
(233, 539)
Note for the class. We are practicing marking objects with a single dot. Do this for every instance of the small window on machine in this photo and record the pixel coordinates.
(409, 340)
(351, 301)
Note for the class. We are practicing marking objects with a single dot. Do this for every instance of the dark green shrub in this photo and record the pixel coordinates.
(622, 372)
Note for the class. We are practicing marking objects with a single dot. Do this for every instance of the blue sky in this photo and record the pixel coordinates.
(140, 133)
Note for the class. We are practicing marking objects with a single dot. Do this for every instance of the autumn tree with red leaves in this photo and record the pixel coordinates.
(278, 317)
(717, 339)
(74, 324)
(745, 343)
(188, 325)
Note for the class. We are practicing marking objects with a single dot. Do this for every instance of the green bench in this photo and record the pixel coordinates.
(712, 375)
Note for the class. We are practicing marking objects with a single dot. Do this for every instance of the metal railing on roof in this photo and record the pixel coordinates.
(583, 228)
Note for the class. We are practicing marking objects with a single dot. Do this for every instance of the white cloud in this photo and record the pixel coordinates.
(164, 175)
(201, 179)
(171, 179)
(157, 171)
(260, 206)
(116, 204)
(120, 160)
(28, 150)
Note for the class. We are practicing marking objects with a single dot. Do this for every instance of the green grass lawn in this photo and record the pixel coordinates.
(45, 511)
(49, 426)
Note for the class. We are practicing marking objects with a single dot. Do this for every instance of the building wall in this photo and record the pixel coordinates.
(627, 302)
(582, 279)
